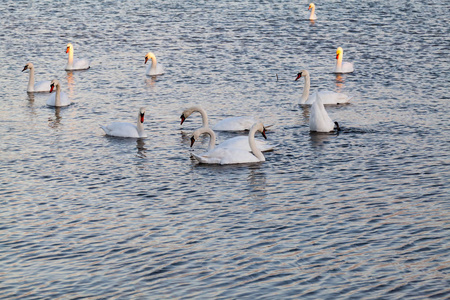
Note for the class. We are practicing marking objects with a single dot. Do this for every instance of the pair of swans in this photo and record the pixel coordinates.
(327, 97)
(228, 152)
(124, 129)
(153, 68)
(57, 99)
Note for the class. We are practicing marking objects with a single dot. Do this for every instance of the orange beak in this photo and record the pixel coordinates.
(67, 50)
(52, 87)
(142, 118)
(146, 59)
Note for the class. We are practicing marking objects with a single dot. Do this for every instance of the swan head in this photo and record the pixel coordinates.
(28, 66)
(69, 48)
(302, 73)
(186, 113)
(339, 52)
(311, 6)
(141, 114)
(198, 132)
(53, 84)
(260, 127)
(148, 56)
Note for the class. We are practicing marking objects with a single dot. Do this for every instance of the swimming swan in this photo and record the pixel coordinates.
(238, 142)
(312, 15)
(342, 67)
(328, 97)
(59, 98)
(75, 64)
(154, 68)
(319, 120)
(225, 156)
(228, 124)
(124, 129)
(40, 86)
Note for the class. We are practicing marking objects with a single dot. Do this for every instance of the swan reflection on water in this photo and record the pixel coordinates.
(319, 139)
(56, 121)
(140, 145)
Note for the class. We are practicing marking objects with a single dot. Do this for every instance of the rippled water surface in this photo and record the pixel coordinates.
(361, 214)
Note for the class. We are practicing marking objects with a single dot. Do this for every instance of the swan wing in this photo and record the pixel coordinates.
(235, 124)
(158, 71)
(226, 156)
(319, 120)
(42, 86)
(241, 142)
(51, 101)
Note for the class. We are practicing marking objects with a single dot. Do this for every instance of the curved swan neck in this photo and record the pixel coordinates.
(31, 80)
(202, 112)
(311, 15)
(251, 141)
(306, 88)
(212, 138)
(154, 62)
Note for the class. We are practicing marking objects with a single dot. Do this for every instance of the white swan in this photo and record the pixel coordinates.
(59, 98)
(228, 124)
(312, 15)
(328, 97)
(342, 67)
(40, 86)
(238, 142)
(154, 68)
(75, 64)
(319, 120)
(225, 156)
(124, 129)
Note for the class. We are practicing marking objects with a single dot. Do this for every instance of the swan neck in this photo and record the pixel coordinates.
(252, 142)
(70, 60)
(31, 80)
(306, 88)
(58, 96)
(202, 112)
(153, 62)
(212, 138)
(313, 9)
(339, 63)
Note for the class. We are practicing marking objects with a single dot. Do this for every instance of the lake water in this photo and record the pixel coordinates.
(364, 214)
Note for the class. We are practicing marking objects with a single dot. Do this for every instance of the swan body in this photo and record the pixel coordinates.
(328, 97)
(153, 68)
(59, 98)
(40, 86)
(228, 124)
(225, 156)
(124, 129)
(319, 120)
(238, 142)
(342, 67)
(312, 15)
(75, 64)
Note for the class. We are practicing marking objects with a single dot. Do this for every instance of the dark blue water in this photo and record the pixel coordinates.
(359, 215)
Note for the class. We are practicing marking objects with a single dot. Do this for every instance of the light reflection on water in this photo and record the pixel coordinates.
(361, 214)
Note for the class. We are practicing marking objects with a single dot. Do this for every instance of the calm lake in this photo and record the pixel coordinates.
(362, 214)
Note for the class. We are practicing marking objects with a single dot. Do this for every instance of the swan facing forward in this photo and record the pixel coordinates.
(154, 68)
(124, 129)
(319, 120)
(228, 124)
(312, 15)
(59, 98)
(328, 97)
(238, 142)
(342, 67)
(75, 64)
(40, 86)
(225, 156)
